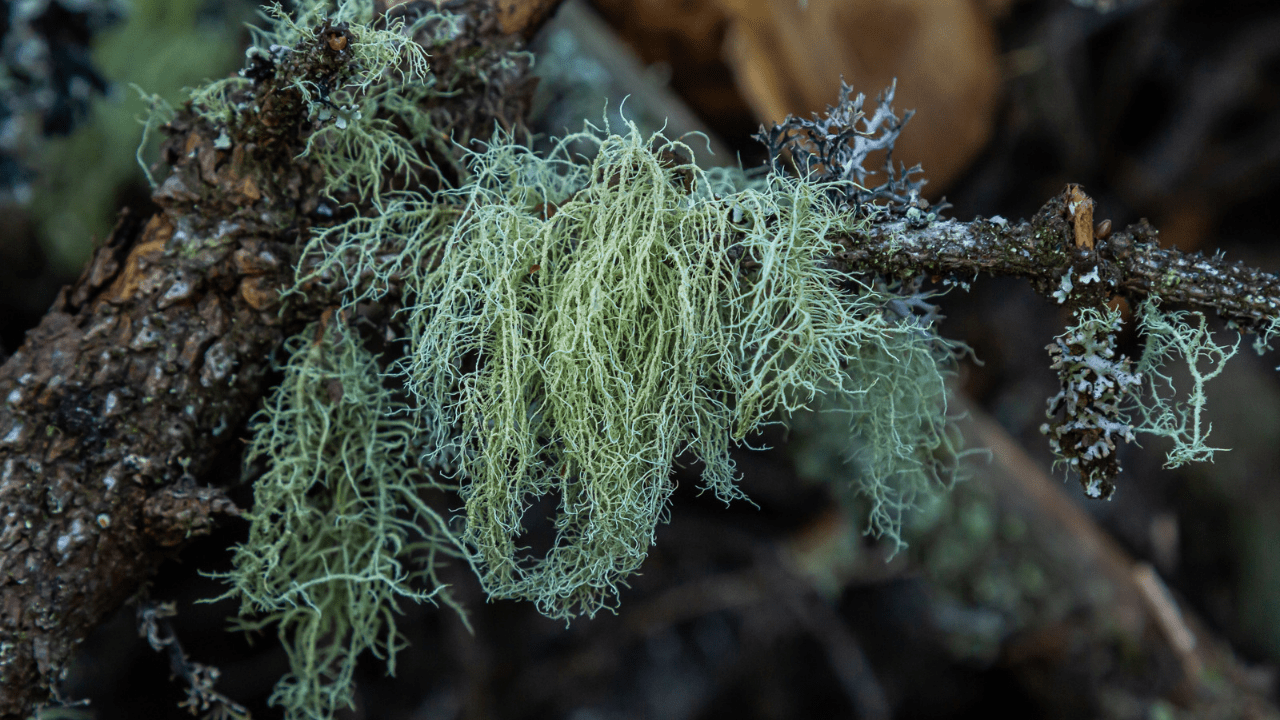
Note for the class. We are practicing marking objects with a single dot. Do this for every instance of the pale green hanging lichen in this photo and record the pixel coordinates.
(1162, 412)
(904, 446)
(893, 446)
(572, 329)
(575, 329)
(340, 531)
(159, 112)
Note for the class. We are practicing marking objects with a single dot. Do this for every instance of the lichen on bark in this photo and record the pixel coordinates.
(139, 380)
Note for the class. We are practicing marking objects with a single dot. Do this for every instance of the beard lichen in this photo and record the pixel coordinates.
(564, 332)
(903, 445)
(339, 529)
(1167, 412)
(574, 330)
(570, 332)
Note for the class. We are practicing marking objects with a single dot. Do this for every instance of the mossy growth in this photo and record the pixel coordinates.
(573, 329)
(340, 530)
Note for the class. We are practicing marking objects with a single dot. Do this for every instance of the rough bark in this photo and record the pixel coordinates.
(1041, 250)
(135, 382)
(143, 373)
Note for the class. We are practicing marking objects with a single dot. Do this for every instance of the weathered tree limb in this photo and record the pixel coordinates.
(136, 380)
(1041, 250)
(145, 370)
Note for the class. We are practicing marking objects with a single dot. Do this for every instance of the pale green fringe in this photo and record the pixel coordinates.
(338, 521)
(575, 329)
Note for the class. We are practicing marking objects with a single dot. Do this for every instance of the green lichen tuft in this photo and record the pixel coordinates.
(362, 105)
(1264, 334)
(1164, 412)
(360, 143)
(888, 443)
(574, 329)
(903, 445)
(340, 531)
(159, 112)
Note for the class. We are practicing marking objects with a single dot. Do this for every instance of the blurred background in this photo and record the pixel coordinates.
(1015, 594)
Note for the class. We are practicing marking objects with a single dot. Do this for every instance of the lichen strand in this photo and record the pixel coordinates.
(340, 531)
(575, 329)
(1164, 413)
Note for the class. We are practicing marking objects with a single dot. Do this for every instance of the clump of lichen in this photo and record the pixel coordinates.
(1165, 412)
(1097, 385)
(834, 147)
(1107, 397)
(569, 330)
(574, 329)
(904, 446)
(891, 445)
(340, 531)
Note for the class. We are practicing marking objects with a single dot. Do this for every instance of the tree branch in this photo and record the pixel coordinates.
(1042, 250)
(141, 376)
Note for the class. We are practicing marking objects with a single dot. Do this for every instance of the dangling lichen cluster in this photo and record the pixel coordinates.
(903, 444)
(574, 329)
(1162, 412)
(570, 330)
(339, 529)
(890, 445)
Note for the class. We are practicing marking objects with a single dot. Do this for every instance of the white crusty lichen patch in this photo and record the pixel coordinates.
(1107, 397)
